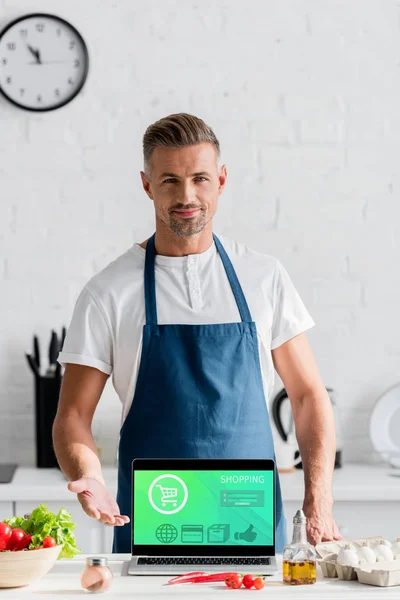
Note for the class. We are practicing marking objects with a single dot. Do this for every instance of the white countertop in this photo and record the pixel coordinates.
(354, 482)
(63, 581)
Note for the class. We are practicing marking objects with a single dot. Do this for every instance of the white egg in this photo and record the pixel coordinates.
(384, 552)
(396, 546)
(347, 557)
(366, 554)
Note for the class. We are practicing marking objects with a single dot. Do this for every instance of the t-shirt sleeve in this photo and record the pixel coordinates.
(89, 337)
(290, 315)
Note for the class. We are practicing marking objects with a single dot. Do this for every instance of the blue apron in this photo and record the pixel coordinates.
(199, 394)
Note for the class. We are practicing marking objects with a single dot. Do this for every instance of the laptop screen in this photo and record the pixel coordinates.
(195, 510)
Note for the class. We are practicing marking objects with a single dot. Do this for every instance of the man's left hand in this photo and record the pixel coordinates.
(321, 526)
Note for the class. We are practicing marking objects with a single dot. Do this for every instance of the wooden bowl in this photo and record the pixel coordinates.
(26, 566)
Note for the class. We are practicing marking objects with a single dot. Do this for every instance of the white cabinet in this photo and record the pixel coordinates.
(89, 533)
(358, 519)
(6, 510)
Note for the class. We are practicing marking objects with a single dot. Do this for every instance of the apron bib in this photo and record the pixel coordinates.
(199, 394)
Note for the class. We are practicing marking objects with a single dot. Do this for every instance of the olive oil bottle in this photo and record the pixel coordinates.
(299, 558)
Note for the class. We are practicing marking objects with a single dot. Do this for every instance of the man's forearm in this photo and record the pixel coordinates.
(75, 448)
(316, 436)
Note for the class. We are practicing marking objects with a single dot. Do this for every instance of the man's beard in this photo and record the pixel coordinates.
(187, 227)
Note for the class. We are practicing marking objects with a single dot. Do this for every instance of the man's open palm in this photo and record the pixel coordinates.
(97, 502)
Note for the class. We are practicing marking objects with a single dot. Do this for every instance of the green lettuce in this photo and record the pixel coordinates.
(42, 523)
(15, 522)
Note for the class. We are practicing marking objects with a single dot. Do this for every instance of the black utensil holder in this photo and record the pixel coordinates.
(47, 392)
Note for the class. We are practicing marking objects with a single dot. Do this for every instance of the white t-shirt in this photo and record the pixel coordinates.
(107, 323)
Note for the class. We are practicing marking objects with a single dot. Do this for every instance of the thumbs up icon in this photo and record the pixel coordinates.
(248, 536)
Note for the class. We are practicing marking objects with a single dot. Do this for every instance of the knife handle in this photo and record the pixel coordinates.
(36, 350)
(63, 334)
(32, 364)
(53, 348)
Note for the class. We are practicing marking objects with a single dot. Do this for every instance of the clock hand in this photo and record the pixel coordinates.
(33, 51)
(50, 62)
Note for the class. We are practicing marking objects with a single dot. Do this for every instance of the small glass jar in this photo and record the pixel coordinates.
(299, 558)
(96, 577)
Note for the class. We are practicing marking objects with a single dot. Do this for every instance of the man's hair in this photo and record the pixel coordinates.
(176, 131)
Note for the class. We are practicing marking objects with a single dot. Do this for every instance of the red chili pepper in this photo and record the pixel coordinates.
(201, 577)
(183, 578)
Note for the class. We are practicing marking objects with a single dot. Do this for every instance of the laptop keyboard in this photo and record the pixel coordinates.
(194, 560)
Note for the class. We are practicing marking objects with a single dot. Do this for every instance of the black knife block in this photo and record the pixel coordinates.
(47, 392)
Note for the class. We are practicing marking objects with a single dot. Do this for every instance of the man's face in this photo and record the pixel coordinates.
(185, 185)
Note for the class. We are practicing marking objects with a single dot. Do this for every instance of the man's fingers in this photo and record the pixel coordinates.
(107, 518)
(91, 510)
(119, 521)
(125, 518)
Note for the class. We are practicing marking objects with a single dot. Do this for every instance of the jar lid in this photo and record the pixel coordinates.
(299, 517)
(96, 561)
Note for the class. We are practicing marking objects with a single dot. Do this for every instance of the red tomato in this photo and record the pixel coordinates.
(5, 534)
(259, 583)
(234, 581)
(16, 539)
(49, 542)
(248, 581)
(24, 543)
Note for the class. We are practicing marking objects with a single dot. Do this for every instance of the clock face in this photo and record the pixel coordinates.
(43, 62)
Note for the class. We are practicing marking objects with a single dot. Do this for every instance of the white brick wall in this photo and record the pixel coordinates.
(304, 96)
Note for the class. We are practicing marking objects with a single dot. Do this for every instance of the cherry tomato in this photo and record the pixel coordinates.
(248, 581)
(259, 583)
(49, 542)
(16, 539)
(5, 534)
(24, 543)
(234, 581)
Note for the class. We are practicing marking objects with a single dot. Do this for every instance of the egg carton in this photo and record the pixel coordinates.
(382, 573)
(328, 552)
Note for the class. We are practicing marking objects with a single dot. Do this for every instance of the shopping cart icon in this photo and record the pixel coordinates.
(171, 496)
(168, 495)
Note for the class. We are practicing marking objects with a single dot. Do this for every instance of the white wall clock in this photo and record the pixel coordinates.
(44, 62)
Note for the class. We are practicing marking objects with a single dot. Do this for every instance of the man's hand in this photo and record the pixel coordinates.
(97, 502)
(321, 526)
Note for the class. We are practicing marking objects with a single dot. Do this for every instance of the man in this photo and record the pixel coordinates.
(192, 327)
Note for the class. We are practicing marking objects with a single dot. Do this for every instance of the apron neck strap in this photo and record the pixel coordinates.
(234, 281)
(150, 284)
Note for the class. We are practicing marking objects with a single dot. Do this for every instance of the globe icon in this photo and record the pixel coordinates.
(166, 533)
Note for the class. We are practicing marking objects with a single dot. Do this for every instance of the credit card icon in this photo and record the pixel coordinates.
(242, 498)
(192, 534)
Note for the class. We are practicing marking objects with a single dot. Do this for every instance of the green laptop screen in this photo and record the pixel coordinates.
(203, 507)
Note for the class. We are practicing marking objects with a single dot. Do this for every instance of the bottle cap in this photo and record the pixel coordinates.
(96, 561)
(299, 517)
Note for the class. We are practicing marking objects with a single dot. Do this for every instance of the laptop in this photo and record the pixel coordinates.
(203, 514)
